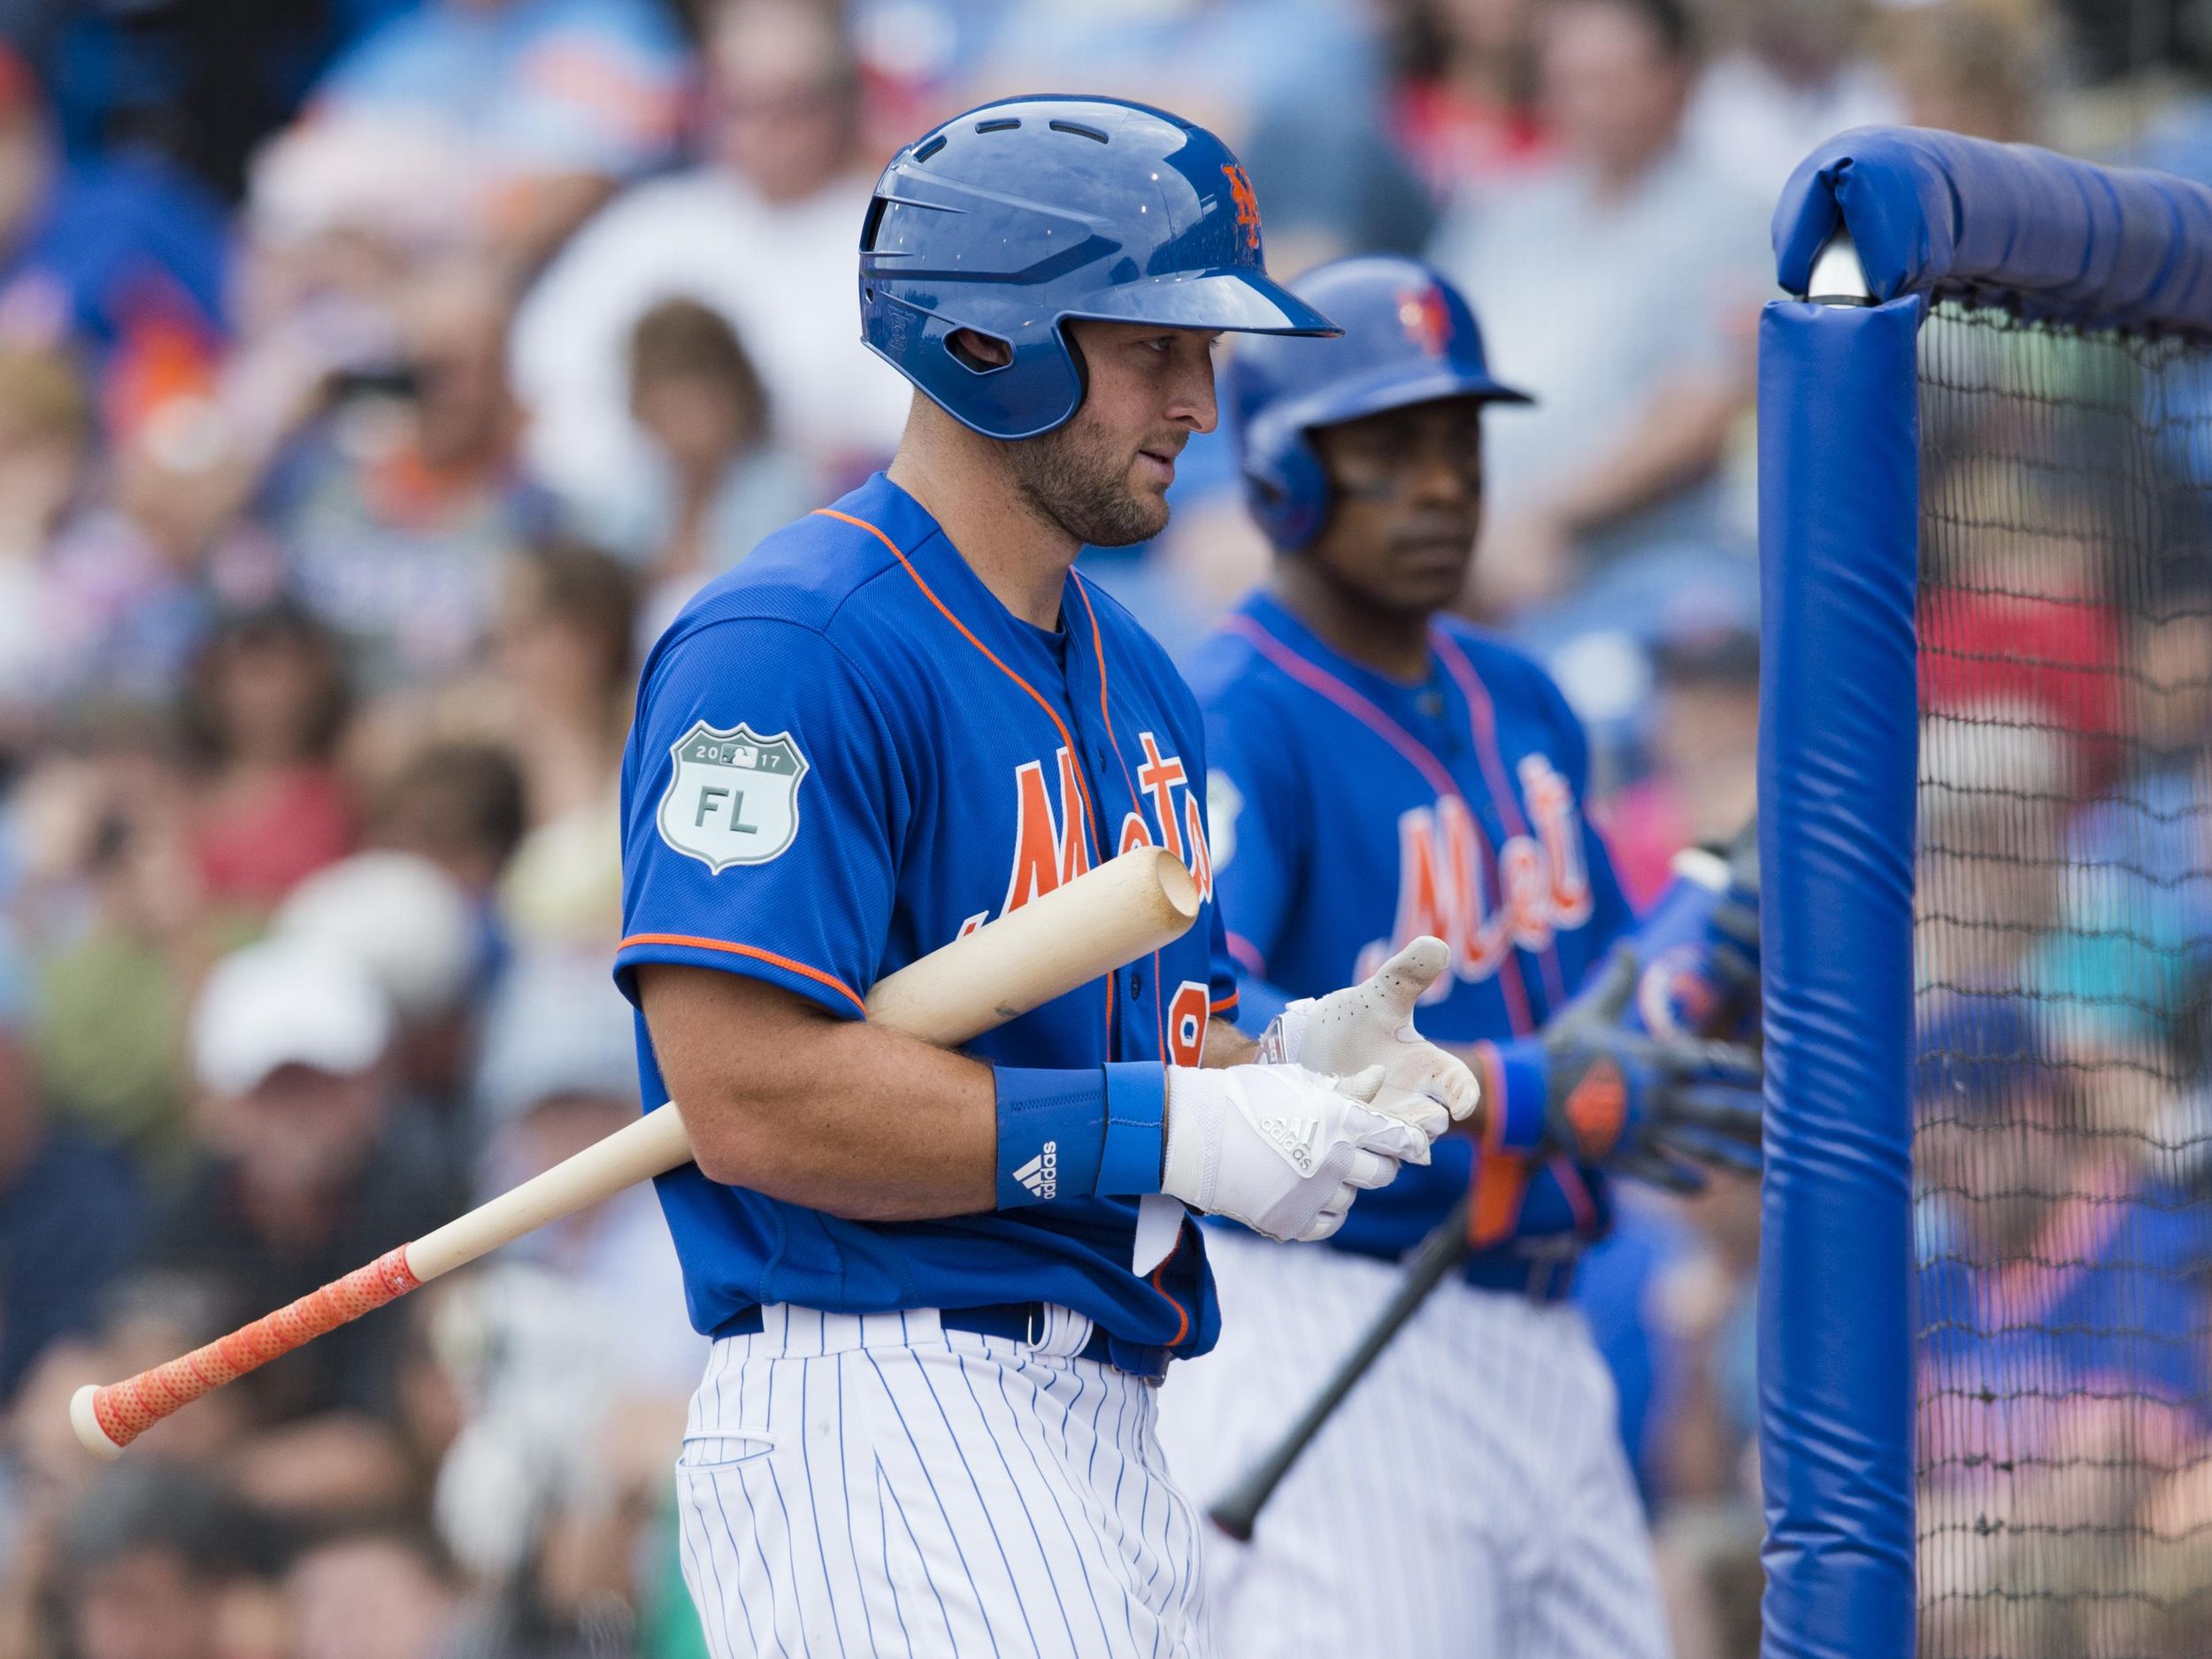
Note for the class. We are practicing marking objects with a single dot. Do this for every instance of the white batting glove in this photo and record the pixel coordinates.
(1371, 1023)
(1280, 1149)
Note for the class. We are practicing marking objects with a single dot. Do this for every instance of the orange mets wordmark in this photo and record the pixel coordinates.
(1542, 883)
(1053, 844)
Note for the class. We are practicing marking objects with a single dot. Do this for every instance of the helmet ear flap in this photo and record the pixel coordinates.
(1038, 388)
(1289, 494)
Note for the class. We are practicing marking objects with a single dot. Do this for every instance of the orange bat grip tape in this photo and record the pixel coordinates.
(127, 1409)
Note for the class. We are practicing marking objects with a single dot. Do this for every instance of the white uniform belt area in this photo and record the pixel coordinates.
(1047, 1327)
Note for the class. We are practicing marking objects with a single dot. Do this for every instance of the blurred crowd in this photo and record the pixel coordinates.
(2063, 1073)
(378, 377)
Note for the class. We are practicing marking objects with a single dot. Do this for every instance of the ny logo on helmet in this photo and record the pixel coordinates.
(1426, 320)
(1248, 205)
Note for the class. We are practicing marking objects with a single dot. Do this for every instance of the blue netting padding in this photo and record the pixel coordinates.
(2042, 234)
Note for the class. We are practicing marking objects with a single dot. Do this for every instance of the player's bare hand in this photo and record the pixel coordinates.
(1371, 1023)
(1283, 1149)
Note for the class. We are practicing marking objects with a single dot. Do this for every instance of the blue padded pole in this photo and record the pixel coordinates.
(1839, 509)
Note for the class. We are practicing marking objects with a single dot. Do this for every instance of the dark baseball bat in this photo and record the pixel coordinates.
(1440, 1254)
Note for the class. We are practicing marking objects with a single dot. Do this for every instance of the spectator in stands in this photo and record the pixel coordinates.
(720, 482)
(148, 1560)
(1702, 732)
(263, 712)
(2027, 567)
(411, 928)
(121, 257)
(568, 660)
(45, 451)
(104, 597)
(2046, 1216)
(558, 1071)
(581, 1401)
(70, 1211)
(1228, 65)
(1981, 67)
(397, 510)
(1467, 111)
(111, 917)
(2135, 934)
(372, 1591)
(542, 107)
(307, 1168)
(1794, 77)
(764, 233)
(460, 805)
(2060, 1304)
(1991, 849)
(1621, 286)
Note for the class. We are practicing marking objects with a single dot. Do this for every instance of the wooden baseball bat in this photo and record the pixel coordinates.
(1082, 930)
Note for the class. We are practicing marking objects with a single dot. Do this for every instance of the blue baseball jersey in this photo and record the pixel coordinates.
(847, 753)
(1352, 814)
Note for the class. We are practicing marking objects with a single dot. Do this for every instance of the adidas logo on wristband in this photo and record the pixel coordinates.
(1041, 1174)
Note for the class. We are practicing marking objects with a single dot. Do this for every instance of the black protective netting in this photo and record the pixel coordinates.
(2062, 1151)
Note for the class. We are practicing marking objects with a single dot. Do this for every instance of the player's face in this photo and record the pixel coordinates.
(1405, 502)
(1104, 476)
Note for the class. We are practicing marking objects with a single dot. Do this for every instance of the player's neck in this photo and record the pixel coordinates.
(1394, 643)
(1022, 558)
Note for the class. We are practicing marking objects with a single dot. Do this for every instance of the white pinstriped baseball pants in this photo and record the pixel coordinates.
(855, 1486)
(1469, 1500)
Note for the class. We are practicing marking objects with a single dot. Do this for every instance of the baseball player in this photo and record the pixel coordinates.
(1381, 771)
(941, 1285)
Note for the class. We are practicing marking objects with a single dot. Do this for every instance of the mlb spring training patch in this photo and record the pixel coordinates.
(733, 797)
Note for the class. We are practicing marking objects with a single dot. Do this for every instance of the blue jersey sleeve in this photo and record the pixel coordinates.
(763, 803)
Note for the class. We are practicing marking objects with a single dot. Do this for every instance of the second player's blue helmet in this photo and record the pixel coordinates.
(1018, 216)
(1408, 337)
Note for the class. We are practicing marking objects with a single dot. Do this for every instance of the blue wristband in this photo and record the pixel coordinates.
(1136, 1128)
(1073, 1134)
(1051, 1134)
(1520, 1073)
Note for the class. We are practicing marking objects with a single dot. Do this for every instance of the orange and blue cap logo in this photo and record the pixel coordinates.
(1248, 205)
(1426, 320)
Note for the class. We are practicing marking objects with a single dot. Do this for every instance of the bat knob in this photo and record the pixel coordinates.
(86, 1421)
(1232, 1521)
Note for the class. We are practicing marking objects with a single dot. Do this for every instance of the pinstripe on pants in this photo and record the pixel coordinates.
(1468, 1499)
(858, 1486)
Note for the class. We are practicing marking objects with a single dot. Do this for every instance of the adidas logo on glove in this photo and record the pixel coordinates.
(1041, 1174)
(1293, 1137)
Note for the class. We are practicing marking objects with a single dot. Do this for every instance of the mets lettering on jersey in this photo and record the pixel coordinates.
(733, 796)
(1351, 813)
(846, 753)
(1542, 884)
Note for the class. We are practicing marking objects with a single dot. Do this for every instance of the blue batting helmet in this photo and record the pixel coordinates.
(1408, 337)
(1015, 217)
